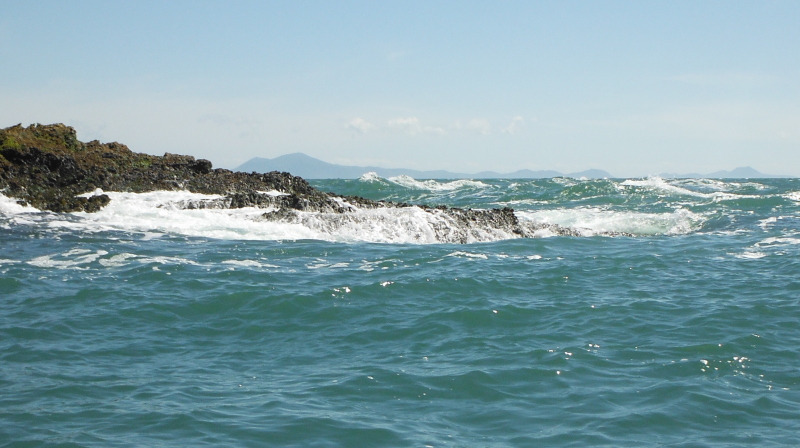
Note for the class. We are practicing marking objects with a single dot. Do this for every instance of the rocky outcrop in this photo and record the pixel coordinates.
(47, 167)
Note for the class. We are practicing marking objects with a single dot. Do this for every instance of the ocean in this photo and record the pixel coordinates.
(671, 317)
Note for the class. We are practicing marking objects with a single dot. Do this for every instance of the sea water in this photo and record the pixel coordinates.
(672, 320)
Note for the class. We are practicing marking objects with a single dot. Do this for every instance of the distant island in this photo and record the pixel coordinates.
(743, 172)
(309, 167)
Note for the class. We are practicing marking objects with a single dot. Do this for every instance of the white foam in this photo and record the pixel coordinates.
(9, 207)
(372, 176)
(67, 259)
(154, 214)
(657, 183)
(751, 255)
(167, 260)
(593, 221)
(96, 192)
(778, 241)
(392, 225)
(249, 263)
(719, 185)
(794, 196)
(767, 222)
(344, 204)
(517, 202)
(432, 185)
(117, 260)
(273, 193)
(160, 212)
(463, 254)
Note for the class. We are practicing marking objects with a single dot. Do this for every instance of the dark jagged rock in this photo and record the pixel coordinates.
(47, 167)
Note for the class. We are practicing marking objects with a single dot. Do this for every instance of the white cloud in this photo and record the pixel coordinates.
(516, 124)
(412, 126)
(480, 125)
(361, 125)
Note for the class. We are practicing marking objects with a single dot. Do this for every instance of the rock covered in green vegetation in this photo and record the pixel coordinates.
(47, 167)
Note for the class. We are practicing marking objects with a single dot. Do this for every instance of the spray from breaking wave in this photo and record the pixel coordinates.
(171, 212)
(426, 185)
(718, 192)
(595, 221)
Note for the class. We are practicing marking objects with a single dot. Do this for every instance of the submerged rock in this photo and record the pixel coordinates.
(47, 167)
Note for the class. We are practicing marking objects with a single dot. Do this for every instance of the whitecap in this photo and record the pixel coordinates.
(249, 264)
(657, 183)
(116, 260)
(463, 254)
(593, 221)
(371, 176)
(167, 260)
(432, 185)
(767, 222)
(793, 195)
(719, 185)
(751, 255)
(71, 259)
(778, 241)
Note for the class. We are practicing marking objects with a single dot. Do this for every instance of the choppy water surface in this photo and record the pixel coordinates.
(148, 325)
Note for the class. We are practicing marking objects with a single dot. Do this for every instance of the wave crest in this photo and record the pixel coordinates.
(433, 185)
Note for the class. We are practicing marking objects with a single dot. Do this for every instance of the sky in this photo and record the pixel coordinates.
(635, 88)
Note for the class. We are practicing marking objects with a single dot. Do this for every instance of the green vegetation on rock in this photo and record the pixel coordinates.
(47, 167)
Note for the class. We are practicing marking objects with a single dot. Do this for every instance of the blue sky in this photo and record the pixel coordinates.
(635, 88)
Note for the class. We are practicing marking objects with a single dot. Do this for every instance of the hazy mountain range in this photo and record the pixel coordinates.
(743, 172)
(308, 167)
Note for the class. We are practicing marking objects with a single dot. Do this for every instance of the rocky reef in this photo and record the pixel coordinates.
(47, 167)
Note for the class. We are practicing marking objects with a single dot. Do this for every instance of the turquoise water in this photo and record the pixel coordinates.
(148, 325)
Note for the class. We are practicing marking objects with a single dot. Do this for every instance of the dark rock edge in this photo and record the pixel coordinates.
(47, 167)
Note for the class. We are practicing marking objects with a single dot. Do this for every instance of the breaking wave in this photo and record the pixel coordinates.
(171, 212)
(594, 221)
(426, 185)
(719, 193)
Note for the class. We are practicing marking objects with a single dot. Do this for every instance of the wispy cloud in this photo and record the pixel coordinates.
(412, 126)
(361, 125)
(480, 125)
(394, 56)
(515, 125)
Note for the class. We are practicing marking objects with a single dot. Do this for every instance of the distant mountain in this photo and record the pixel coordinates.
(305, 166)
(743, 172)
